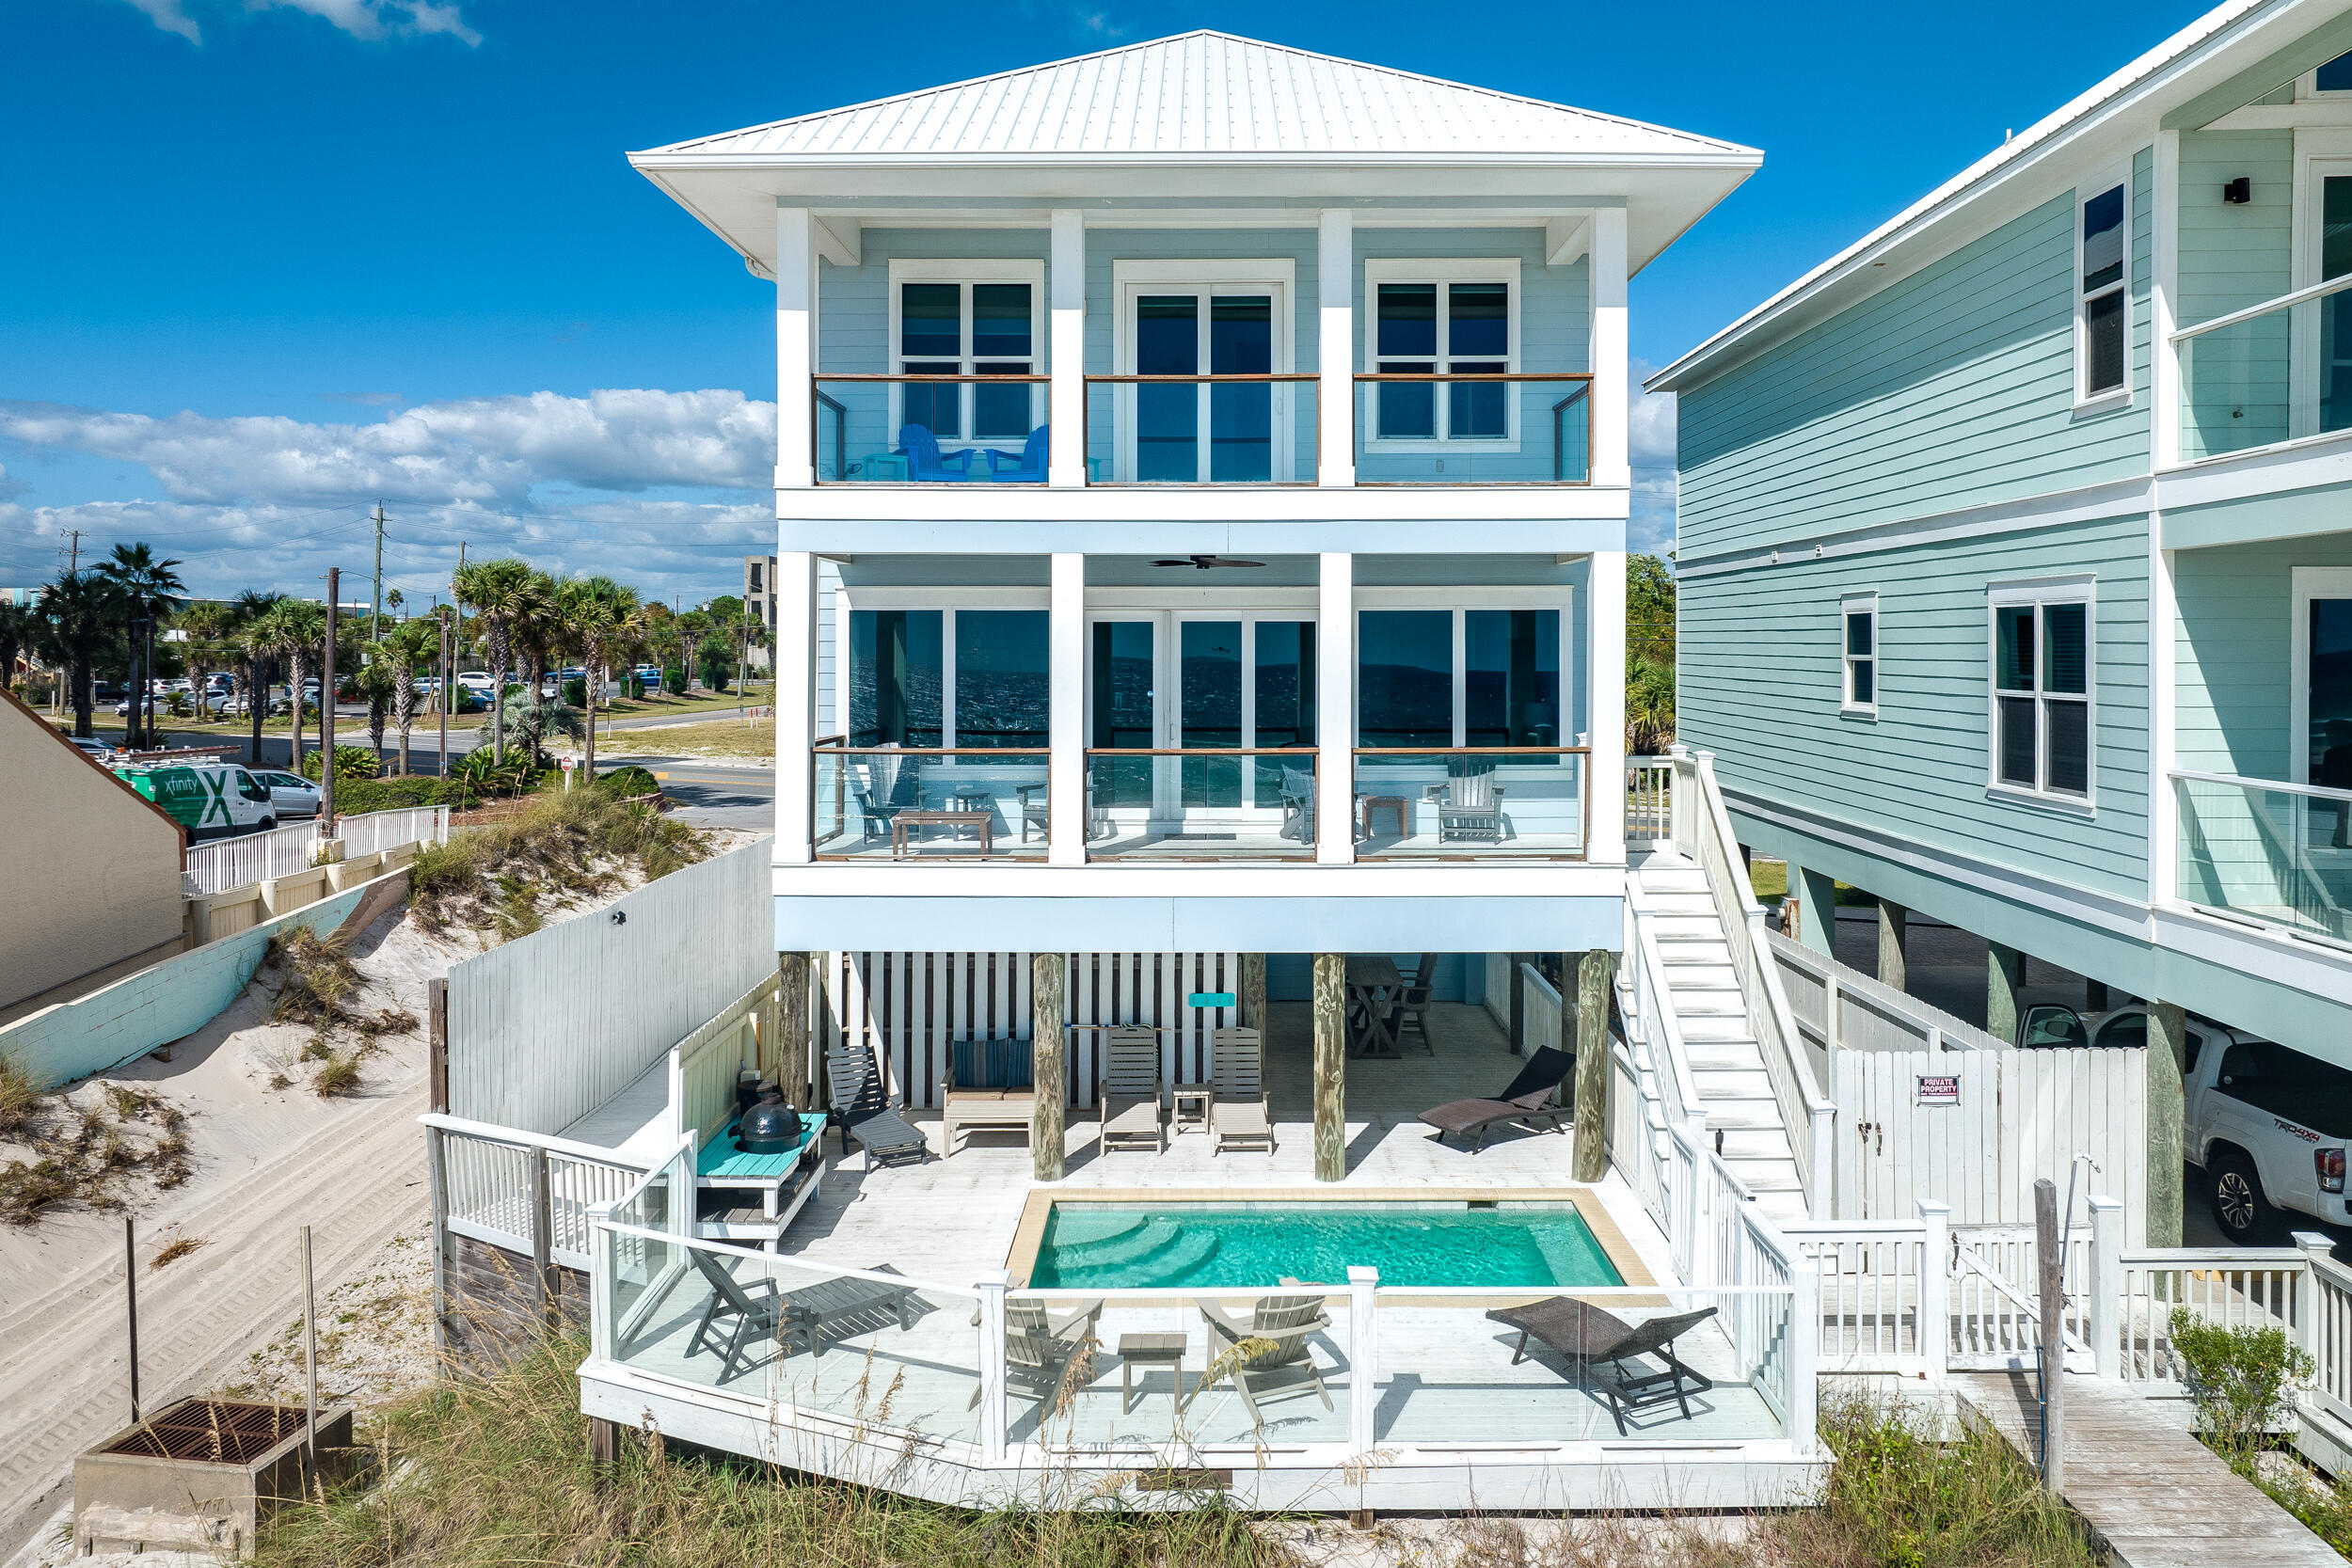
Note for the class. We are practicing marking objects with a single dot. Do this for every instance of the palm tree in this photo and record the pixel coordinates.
(289, 629)
(540, 634)
(502, 593)
(405, 647)
(601, 615)
(16, 634)
(147, 590)
(250, 606)
(79, 612)
(207, 622)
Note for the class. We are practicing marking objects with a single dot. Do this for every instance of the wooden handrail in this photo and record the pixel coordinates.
(1475, 375)
(821, 376)
(1305, 752)
(1473, 750)
(1258, 377)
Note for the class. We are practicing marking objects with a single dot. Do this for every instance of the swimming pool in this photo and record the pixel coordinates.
(1220, 1246)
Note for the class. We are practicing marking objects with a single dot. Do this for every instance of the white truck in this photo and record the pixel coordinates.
(2268, 1124)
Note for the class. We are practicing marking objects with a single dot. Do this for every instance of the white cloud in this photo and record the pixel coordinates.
(167, 15)
(362, 19)
(1650, 444)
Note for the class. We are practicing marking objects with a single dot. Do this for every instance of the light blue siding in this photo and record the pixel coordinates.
(2233, 256)
(2232, 671)
(1951, 388)
(1760, 687)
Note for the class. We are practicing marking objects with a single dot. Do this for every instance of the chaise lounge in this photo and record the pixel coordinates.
(1130, 1105)
(861, 1107)
(1528, 1103)
(1607, 1350)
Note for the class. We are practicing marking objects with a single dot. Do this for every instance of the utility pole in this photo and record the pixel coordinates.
(327, 710)
(73, 548)
(449, 687)
(376, 587)
(449, 675)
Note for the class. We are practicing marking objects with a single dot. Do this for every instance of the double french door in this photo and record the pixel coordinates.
(1198, 430)
(1201, 681)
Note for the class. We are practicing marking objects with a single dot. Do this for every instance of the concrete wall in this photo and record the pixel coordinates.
(91, 869)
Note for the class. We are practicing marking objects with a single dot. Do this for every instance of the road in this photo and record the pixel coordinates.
(710, 797)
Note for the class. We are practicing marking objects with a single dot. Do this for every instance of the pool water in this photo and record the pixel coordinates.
(1135, 1245)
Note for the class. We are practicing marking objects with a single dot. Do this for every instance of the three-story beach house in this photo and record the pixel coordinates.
(2016, 561)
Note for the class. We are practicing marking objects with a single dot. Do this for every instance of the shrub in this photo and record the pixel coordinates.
(674, 680)
(351, 762)
(355, 796)
(576, 692)
(2244, 1380)
(628, 781)
(561, 846)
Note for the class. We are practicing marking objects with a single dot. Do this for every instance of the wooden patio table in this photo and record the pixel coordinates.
(1372, 983)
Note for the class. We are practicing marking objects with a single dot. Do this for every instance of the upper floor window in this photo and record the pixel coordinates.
(2335, 76)
(1441, 678)
(2042, 697)
(967, 318)
(1859, 615)
(966, 679)
(2100, 302)
(1443, 318)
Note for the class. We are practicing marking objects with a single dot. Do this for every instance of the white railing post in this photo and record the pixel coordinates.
(992, 1286)
(2104, 1308)
(600, 1335)
(1804, 1350)
(1821, 1129)
(1702, 1258)
(1363, 1359)
(2316, 1248)
(1935, 1287)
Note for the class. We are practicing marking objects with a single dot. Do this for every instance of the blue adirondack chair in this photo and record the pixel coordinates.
(1027, 469)
(920, 448)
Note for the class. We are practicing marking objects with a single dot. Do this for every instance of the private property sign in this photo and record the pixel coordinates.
(1936, 1090)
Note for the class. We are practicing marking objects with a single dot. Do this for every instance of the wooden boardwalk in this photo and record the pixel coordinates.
(2152, 1495)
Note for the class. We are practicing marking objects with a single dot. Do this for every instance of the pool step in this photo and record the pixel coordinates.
(1179, 1253)
(1106, 1238)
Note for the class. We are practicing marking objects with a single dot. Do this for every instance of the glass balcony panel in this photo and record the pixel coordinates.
(1226, 428)
(1474, 425)
(875, 1349)
(2268, 852)
(2278, 375)
(890, 802)
(1201, 803)
(1471, 801)
(1448, 1376)
(1085, 1373)
(992, 428)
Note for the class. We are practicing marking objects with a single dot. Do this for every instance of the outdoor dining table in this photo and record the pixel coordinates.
(1374, 984)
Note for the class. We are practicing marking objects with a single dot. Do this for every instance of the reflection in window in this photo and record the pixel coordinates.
(1002, 694)
(1285, 680)
(2335, 310)
(1511, 677)
(894, 675)
(1405, 678)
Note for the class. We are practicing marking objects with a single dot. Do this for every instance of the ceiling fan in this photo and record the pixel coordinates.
(1206, 562)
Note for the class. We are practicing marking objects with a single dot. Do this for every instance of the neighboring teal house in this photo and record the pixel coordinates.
(2016, 542)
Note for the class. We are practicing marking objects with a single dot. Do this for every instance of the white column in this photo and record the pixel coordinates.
(796, 703)
(2105, 1290)
(1604, 662)
(992, 1287)
(2163, 636)
(2163, 301)
(1066, 462)
(1611, 395)
(1335, 348)
(1935, 1283)
(1335, 712)
(1363, 1360)
(796, 346)
(1066, 791)
(1804, 1355)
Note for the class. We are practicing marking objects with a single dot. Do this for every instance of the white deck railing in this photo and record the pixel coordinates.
(373, 831)
(224, 864)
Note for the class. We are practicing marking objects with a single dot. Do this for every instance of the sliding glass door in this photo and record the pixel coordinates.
(1198, 681)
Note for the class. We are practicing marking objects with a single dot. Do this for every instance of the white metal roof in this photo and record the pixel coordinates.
(1206, 94)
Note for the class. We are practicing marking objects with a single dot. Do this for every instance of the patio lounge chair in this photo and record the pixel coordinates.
(844, 1307)
(1239, 1113)
(861, 1107)
(1027, 469)
(1130, 1096)
(1285, 1320)
(1607, 1350)
(987, 1085)
(1299, 805)
(1469, 807)
(894, 783)
(1528, 1102)
(750, 1310)
(1040, 1346)
(924, 465)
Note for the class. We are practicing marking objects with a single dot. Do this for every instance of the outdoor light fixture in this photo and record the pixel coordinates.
(620, 917)
(2240, 191)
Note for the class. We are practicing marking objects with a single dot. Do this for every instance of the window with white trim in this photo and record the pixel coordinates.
(2041, 730)
(1443, 318)
(1858, 616)
(968, 318)
(2101, 306)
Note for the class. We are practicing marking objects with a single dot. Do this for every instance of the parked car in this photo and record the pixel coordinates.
(210, 799)
(649, 674)
(290, 793)
(2268, 1124)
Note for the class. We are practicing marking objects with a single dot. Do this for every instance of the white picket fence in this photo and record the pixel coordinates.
(224, 864)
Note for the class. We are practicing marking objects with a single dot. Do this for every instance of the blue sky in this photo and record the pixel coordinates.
(268, 260)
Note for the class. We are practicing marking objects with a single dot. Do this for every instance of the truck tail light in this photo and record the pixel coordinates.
(2331, 1164)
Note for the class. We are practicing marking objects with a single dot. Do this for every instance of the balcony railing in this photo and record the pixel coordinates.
(1475, 429)
(1238, 429)
(2270, 372)
(929, 429)
(1201, 803)
(895, 803)
(1472, 801)
(2277, 853)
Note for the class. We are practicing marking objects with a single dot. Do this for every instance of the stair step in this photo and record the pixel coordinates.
(1732, 1083)
(1682, 903)
(1746, 1116)
(1698, 973)
(1724, 1057)
(1755, 1143)
(1689, 928)
(1708, 1002)
(1714, 1027)
(1706, 947)
(1673, 879)
(1767, 1176)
